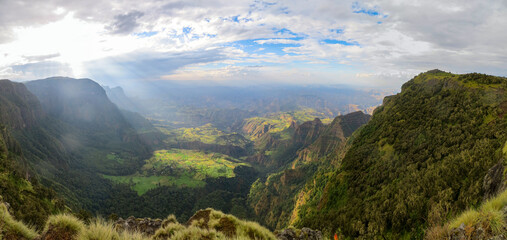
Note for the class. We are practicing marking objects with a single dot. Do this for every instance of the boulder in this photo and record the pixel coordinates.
(458, 233)
(146, 226)
(303, 234)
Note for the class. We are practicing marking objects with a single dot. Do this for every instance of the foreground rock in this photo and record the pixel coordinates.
(296, 234)
(146, 226)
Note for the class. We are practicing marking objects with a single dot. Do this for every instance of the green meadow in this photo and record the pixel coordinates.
(179, 168)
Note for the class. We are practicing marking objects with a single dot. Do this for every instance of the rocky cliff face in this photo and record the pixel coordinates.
(332, 139)
(118, 97)
(315, 146)
(308, 132)
(18, 107)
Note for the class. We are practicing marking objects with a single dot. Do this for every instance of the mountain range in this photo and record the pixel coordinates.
(408, 171)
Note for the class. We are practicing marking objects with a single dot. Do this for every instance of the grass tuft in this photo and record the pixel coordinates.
(168, 231)
(65, 222)
(12, 228)
(99, 229)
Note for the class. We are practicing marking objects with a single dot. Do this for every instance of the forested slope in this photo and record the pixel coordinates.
(421, 159)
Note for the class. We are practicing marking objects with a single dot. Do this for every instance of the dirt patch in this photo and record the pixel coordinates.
(202, 214)
(55, 233)
(226, 226)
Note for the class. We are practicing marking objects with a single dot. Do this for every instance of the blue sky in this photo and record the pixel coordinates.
(377, 43)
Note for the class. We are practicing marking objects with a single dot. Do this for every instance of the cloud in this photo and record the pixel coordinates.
(125, 23)
(39, 58)
(36, 70)
(383, 38)
(145, 65)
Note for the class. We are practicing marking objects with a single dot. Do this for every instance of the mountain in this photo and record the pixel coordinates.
(275, 199)
(98, 127)
(190, 104)
(421, 159)
(118, 97)
(80, 102)
(69, 134)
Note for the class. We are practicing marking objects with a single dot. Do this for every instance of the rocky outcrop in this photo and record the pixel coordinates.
(460, 233)
(296, 234)
(146, 226)
(308, 132)
(332, 138)
(493, 181)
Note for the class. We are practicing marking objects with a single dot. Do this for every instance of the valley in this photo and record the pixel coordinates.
(299, 167)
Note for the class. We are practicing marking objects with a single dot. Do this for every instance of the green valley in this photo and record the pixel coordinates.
(396, 174)
(179, 168)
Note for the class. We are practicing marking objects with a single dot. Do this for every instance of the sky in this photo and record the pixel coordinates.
(381, 43)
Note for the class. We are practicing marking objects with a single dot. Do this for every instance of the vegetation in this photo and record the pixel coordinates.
(30, 201)
(179, 168)
(205, 134)
(408, 163)
(12, 229)
(278, 122)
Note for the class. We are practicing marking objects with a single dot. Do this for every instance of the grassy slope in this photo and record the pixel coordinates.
(408, 163)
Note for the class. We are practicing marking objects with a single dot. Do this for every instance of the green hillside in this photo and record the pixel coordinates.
(420, 160)
(29, 200)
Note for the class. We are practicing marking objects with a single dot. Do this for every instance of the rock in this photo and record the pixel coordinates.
(504, 212)
(493, 180)
(287, 234)
(478, 234)
(146, 226)
(499, 237)
(303, 234)
(310, 234)
(458, 233)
